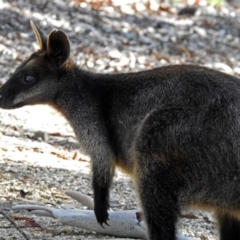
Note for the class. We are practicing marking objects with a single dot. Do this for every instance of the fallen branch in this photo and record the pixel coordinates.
(15, 225)
(82, 198)
(123, 223)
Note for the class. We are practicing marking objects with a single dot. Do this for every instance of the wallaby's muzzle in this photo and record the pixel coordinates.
(5, 101)
(18, 90)
(7, 98)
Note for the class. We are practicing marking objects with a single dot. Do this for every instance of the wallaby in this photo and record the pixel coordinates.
(174, 129)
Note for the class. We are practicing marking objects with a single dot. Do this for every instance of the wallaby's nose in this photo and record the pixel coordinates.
(1, 97)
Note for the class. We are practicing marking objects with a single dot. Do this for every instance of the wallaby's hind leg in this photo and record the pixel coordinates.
(229, 227)
(159, 177)
(159, 201)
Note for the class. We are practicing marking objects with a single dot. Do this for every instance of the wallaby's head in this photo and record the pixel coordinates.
(36, 80)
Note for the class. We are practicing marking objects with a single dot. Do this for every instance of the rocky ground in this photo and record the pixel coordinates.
(40, 157)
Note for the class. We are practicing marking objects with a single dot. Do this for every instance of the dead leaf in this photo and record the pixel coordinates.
(36, 149)
(188, 52)
(56, 134)
(75, 155)
(19, 148)
(20, 218)
(27, 177)
(166, 8)
(61, 196)
(32, 223)
(188, 215)
(60, 155)
(6, 197)
(159, 56)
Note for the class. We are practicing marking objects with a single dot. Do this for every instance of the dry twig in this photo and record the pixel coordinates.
(15, 225)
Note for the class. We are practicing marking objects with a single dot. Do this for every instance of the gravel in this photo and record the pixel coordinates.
(40, 154)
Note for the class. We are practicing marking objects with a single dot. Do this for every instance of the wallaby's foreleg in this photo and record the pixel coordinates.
(229, 227)
(95, 142)
(103, 167)
(92, 133)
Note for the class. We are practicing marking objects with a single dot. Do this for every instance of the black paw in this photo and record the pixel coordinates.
(101, 202)
(101, 215)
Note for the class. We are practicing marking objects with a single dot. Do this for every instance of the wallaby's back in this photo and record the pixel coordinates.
(126, 99)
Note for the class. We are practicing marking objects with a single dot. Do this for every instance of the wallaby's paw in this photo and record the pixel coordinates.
(101, 202)
(101, 211)
(102, 215)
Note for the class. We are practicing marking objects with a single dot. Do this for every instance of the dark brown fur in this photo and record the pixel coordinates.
(175, 130)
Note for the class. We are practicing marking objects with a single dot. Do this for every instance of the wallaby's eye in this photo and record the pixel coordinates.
(29, 79)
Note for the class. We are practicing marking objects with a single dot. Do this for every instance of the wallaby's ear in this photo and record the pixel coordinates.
(40, 36)
(58, 48)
